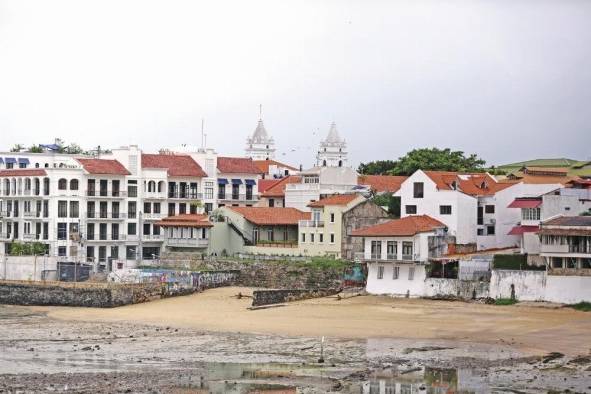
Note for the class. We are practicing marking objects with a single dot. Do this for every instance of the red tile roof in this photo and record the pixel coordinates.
(23, 172)
(526, 203)
(406, 226)
(474, 184)
(382, 183)
(237, 165)
(264, 184)
(278, 188)
(335, 199)
(185, 220)
(263, 165)
(520, 230)
(103, 167)
(264, 216)
(177, 165)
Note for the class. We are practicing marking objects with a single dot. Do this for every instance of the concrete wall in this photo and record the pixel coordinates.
(268, 297)
(399, 287)
(465, 289)
(362, 215)
(26, 267)
(86, 295)
(568, 289)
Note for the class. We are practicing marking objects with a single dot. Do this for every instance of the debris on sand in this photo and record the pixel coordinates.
(409, 350)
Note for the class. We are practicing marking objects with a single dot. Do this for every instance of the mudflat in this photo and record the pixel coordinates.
(531, 329)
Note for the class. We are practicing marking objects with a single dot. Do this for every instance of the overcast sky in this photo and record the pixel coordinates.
(508, 80)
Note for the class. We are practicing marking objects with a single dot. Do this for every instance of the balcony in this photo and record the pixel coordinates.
(5, 236)
(105, 237)
(410, 258)
(153, 237)
(32, 215)
(237, 197)
(554, 248)
(30, 237)
(153, 216)
(106, 193)
(187, 242)
(155, 195)
(311, 223)
(185, 195)
(102, 215)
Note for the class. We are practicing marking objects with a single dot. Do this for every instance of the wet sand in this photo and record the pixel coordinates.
(531, 329)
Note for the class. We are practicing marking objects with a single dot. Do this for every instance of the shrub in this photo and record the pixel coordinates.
(505, 301)
(514, 262)
(581, 306)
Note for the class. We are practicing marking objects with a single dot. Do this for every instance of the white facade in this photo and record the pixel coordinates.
(333, 150)
(260, 146)
(319, 182)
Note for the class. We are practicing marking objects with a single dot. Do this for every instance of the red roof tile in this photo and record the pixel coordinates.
(185, 220)
(177, 165)
(264, 216)
(103, 167)
(382, 183)
(474, 184)
(526, 203)
(278, 188)
(335, 199)
(23, 172)
(520, 230)
(263, 165)
(406, 226)
(264, 184)
(237, 165)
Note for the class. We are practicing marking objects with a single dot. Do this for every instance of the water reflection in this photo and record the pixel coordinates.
(419, 380)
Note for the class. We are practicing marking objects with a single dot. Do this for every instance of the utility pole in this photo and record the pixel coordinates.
(140, 231)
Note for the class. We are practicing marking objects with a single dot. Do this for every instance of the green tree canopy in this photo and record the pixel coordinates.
(434, 159)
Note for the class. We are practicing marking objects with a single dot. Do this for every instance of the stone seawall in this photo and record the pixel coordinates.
(80, 294)
(278, 296)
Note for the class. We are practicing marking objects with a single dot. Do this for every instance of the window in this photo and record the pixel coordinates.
(381, 272)
(103, 231)
(270, 234)
(130, 252)
(182, 208)
(411, 209)
(62, 184)
(332, 238)
(156, 207)
(171, 209)
(114, 231)
(411, 273)
(132, 209)
(392, 250)
(74, 184)
(147, 207)
(303, 237)
(311, 237)
(376, 250)
(489, 209)
(62, 209)
(146, 229)
(530, 213)
(132, 188)
(321, 237)
(131, 228)
(271, 203)
(445, 209)
(418, 190)
(396, 273)
(480, 231)
(407, 251)
(235, 192)
(332, 217)
(90, 231)
(490, 230)
(209, 190)
(61, 251)
(74, 209)
(90, 254)
(62, 231)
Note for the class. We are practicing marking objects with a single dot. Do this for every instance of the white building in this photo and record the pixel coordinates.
(396, 253)
(566, 245)
(319, 182)
(333, 150)
(237, 179)
(260, 146)
(474, 207)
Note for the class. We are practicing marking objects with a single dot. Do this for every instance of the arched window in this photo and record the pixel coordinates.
(46, 165)
(36, 165)
(74, 184)
(28, 184)
(340, 163)
(62, 184)
(37, 187)
(160, 186)
(151, 187)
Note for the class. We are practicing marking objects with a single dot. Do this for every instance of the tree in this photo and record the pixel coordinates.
(378, 167)
(17, 148)
(390, 201)
(435, 159)
(73, 149)
(35, 149)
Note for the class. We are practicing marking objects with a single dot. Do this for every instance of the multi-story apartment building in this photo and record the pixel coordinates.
(237, 182)
(473, 206)
(566, 245)
(104, 211)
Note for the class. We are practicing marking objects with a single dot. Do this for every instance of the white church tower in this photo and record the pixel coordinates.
(333, 150)
(260, 146)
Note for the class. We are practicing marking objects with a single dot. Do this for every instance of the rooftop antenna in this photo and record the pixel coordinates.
(260, 111)
(203, 133)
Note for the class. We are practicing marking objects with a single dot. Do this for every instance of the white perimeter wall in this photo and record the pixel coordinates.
(400, 286)
(25, 267)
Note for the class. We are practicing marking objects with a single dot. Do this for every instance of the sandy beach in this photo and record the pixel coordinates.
(532, 329)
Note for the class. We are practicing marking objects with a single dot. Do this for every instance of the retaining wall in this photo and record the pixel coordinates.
(465, 289)
(87, 295)
(268, 297)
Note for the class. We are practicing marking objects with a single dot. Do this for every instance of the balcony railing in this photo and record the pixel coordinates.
(106, 237)
(188, 242)
(186, 195)
(5, 236)
(153, 237)
(155, 195)
(311, 223)
(238, 197)
(153, 216)
(107, 193)
(105, 215)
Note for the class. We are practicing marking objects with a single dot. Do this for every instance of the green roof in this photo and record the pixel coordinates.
(561, 162)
